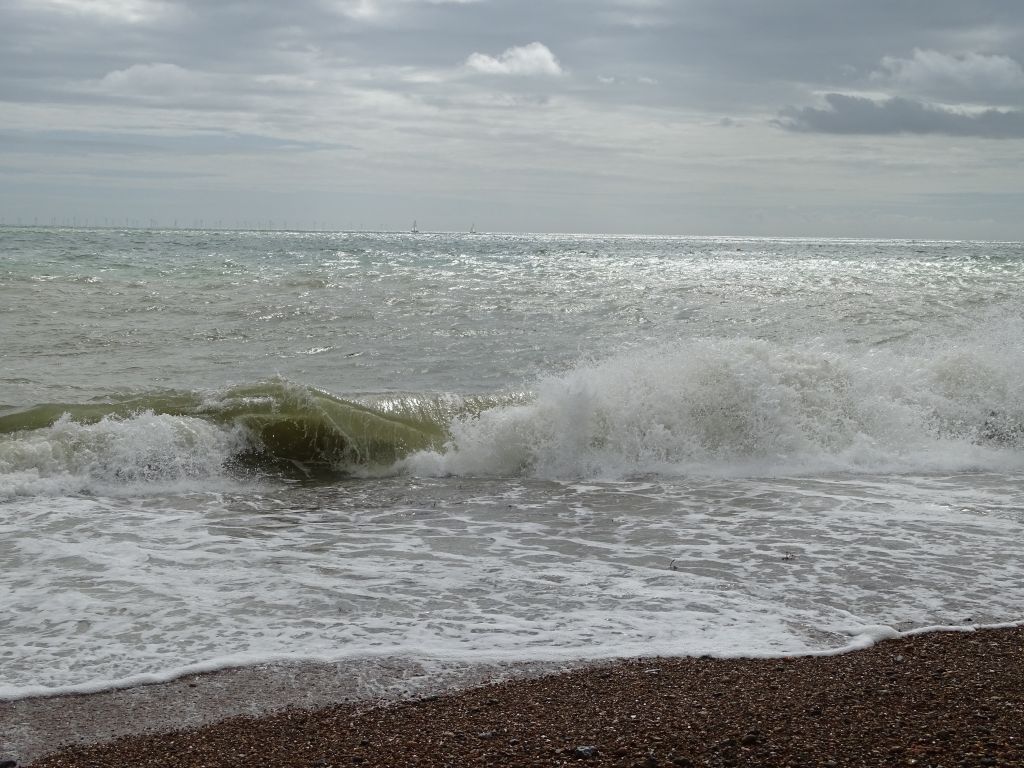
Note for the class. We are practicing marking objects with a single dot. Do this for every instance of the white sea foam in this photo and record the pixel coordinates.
(754, 407)
(105, 591)
(860, 639)
(143, 454)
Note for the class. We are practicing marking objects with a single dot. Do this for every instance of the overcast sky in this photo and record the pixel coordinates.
(878, 118)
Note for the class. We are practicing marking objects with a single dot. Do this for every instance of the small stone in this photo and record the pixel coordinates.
(585, 752)
(750, 738)
(485, 735)
(650, 761)
(8, 764)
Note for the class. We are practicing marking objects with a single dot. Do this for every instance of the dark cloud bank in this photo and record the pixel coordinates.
(898, 115)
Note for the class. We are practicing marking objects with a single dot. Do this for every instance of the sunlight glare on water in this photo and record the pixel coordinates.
(229, 447)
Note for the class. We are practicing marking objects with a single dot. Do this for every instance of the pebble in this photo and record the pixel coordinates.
(970, 715)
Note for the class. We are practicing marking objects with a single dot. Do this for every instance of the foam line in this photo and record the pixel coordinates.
(866, 637)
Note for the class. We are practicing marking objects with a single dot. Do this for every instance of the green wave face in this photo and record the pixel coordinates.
(285, 423)
(42, 416)
(311, 427)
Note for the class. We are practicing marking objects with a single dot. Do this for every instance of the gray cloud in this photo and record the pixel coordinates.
(931, 69)
(963, 78)
(860, 115)
(744, 58)
(427, 101)
(76, 142)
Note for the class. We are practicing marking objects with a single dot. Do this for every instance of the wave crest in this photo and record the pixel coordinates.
(173, 437)
(704, 406)
(114, 455)
(749, 406)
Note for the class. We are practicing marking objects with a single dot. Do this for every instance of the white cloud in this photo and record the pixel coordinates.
(929, 71)
(532, 59)
(131, 11)
(371, 10)
(168, 85)
(360, 9)
(157, 79)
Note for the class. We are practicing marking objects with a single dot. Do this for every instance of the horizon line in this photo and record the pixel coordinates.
(484, 233)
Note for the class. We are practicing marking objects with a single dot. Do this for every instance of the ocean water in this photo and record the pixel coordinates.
(222, 448)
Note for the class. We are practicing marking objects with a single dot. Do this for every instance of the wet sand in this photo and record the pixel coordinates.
(937, 699)
(33, 727)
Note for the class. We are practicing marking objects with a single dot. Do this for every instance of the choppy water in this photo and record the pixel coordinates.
(222, 447)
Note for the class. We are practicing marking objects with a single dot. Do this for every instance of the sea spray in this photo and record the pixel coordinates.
(749, 406)
(270, 428)
(702, 406)
(143, 453)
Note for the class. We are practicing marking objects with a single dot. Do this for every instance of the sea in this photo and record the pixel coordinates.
(222, 448)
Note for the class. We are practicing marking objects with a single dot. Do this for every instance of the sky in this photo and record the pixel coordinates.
(851, 118)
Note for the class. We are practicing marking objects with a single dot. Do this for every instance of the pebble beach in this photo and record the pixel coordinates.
(934, 699)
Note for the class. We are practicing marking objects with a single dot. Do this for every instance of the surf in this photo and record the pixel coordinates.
(737, 407)
(750, 407)
(273, 428)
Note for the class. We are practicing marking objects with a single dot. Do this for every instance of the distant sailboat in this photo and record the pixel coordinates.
(472, 229)
(415, 230)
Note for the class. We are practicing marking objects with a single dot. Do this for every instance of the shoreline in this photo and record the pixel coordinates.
(34, 726)
(937, 698)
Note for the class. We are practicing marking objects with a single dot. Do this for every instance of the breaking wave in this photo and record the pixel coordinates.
(181, 439)
(752, 407)
(700, 407)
